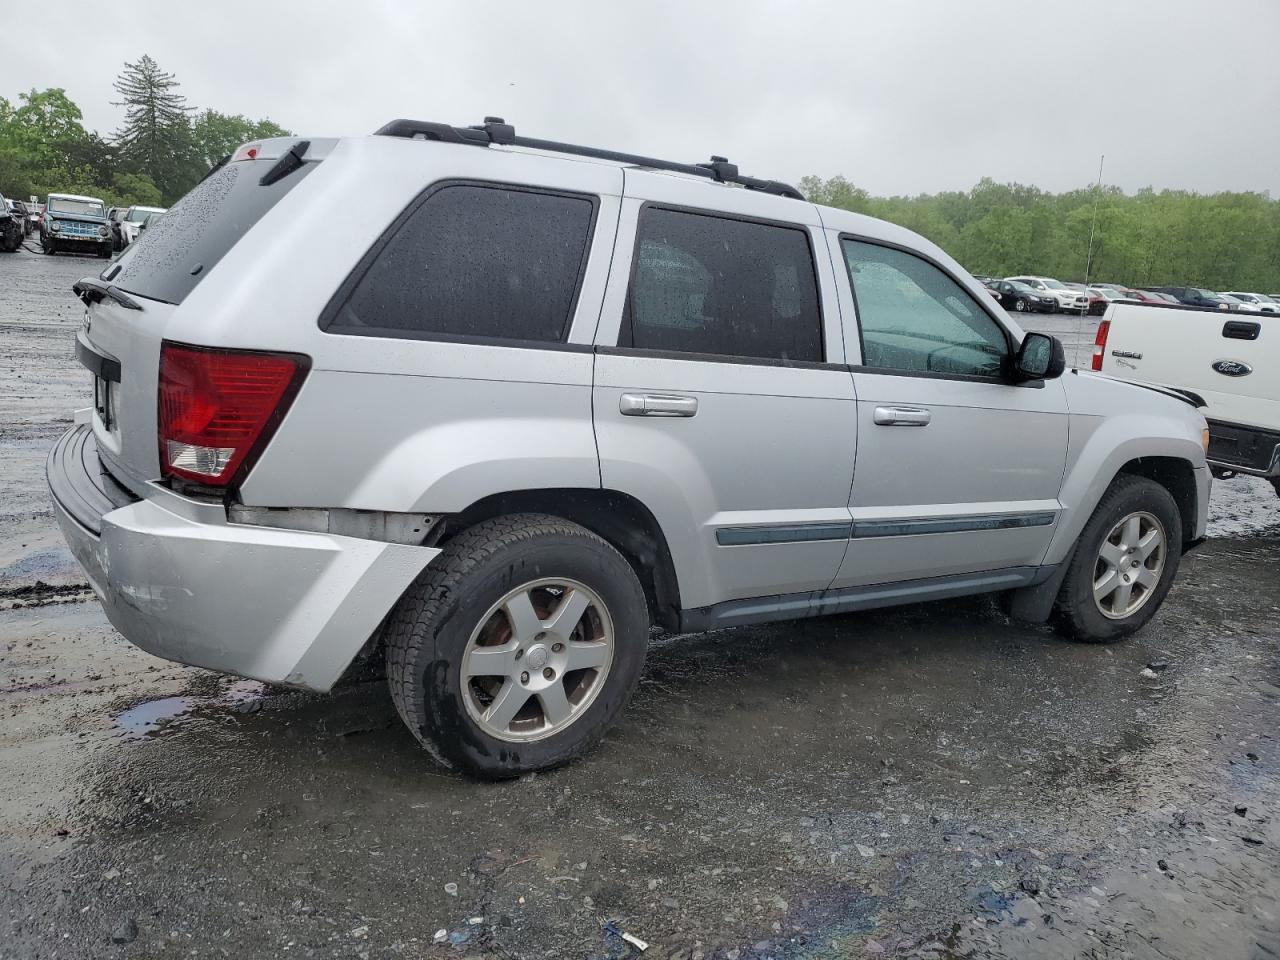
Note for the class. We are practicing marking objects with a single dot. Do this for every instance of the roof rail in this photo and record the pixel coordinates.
(495, 130)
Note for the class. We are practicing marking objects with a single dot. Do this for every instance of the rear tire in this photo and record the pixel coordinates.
(1124, 563)
(463, 617)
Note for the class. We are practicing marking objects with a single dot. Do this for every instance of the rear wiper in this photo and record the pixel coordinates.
(289, 162)
(91, 291)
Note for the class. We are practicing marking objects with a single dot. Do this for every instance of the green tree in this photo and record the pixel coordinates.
(156, 135)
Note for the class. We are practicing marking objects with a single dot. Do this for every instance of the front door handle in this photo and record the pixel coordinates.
(657, 405)
(902, 416)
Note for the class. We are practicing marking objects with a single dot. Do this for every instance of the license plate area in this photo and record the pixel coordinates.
(104, 404)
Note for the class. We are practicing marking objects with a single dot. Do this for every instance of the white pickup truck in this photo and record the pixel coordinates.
(1231, 362)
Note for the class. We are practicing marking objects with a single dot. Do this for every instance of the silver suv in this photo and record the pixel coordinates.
(542, 397)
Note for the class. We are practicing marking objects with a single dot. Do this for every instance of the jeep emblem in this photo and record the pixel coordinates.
(1232, 368)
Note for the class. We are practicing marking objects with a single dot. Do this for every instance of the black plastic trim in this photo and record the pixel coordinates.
(79, 483)
(866, 529)
(782, 533)
(102, 367)
(329, 315)
(793, 606)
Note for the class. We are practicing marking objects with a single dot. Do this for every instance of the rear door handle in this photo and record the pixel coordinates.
(657, 405)
(902, 416)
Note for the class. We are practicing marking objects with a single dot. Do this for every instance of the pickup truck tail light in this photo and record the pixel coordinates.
(1100, 344)
(219, 408)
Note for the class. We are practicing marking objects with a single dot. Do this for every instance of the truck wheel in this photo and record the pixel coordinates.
(1124, 562)
(518, 647)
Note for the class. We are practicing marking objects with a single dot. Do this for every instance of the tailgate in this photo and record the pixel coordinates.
(1231, 359)
(124, 388)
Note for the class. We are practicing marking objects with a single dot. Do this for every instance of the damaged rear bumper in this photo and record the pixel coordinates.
(180, 582)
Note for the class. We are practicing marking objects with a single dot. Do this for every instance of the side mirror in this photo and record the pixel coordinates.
(1041, 357)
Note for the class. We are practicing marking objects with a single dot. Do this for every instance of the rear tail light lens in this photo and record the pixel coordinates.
(218, 408)
(1100, 344)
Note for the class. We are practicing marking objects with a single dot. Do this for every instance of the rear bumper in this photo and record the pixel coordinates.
(181, 583)
(1244, 449)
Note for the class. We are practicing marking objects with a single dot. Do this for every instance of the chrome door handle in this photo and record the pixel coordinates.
(656, 405)
(902, 416)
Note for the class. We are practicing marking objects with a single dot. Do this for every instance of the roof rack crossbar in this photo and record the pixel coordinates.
(496, 130)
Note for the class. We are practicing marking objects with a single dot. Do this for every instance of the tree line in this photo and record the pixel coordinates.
(1222, 241)
(161, 150)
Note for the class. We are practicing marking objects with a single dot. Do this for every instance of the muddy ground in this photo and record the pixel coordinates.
(933, 782)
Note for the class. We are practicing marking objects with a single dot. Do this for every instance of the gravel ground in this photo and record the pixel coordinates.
(933, 781)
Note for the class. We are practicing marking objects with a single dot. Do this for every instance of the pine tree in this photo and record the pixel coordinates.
(156, 137)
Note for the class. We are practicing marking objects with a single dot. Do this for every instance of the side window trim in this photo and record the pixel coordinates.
(823, 319)
(1010, 346)
(329, 315)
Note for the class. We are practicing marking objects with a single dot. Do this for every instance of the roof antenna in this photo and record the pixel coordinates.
(1088, 259)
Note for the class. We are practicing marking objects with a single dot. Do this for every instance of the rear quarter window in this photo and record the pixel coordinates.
(178, 250)
(472, 261)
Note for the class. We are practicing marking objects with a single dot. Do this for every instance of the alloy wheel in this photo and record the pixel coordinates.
(1129, 565)
(537, 660)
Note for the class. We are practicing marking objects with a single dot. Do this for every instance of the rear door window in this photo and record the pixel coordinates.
(712, 285)
(178, 250)
(472, 261)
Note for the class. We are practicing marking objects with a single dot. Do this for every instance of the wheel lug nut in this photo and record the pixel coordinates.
(557, 647)
(519, 654)
(541, 636)
(549, 673)
(524, 677)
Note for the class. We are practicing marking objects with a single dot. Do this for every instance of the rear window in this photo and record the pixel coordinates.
(178, 250)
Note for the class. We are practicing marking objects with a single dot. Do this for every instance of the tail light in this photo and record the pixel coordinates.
(218, 408)
(1100, 344)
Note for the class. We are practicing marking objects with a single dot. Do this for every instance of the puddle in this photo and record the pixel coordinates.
(153, 718)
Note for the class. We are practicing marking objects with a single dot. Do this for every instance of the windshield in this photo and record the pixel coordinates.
(1054, 285)
(1207, 294)
(87, 208)
(141, 214)
(1020, 287)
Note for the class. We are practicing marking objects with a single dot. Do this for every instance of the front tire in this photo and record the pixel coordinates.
(1124, 562)
(1020, 306)
(519, 647)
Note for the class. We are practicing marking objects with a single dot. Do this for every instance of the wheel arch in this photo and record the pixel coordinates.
(618, 518)
(1176, 475)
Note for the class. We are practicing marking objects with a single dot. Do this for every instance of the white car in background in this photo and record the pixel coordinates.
(135, 221)
(1072, 301)
(1253, 302)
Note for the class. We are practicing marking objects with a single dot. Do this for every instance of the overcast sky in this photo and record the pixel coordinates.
(900, 96)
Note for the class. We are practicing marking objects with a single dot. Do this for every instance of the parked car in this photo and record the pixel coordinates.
(1159, 297)
(23, 214)
(1195, 297)
(115, 216)
(1253, 302)
(1230, 364)
(1021, 298)
(135, 221)
(75, 223)
(1068, 300)
(530, 406)
(35, 211)
(12, 226)
(1240, 306)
